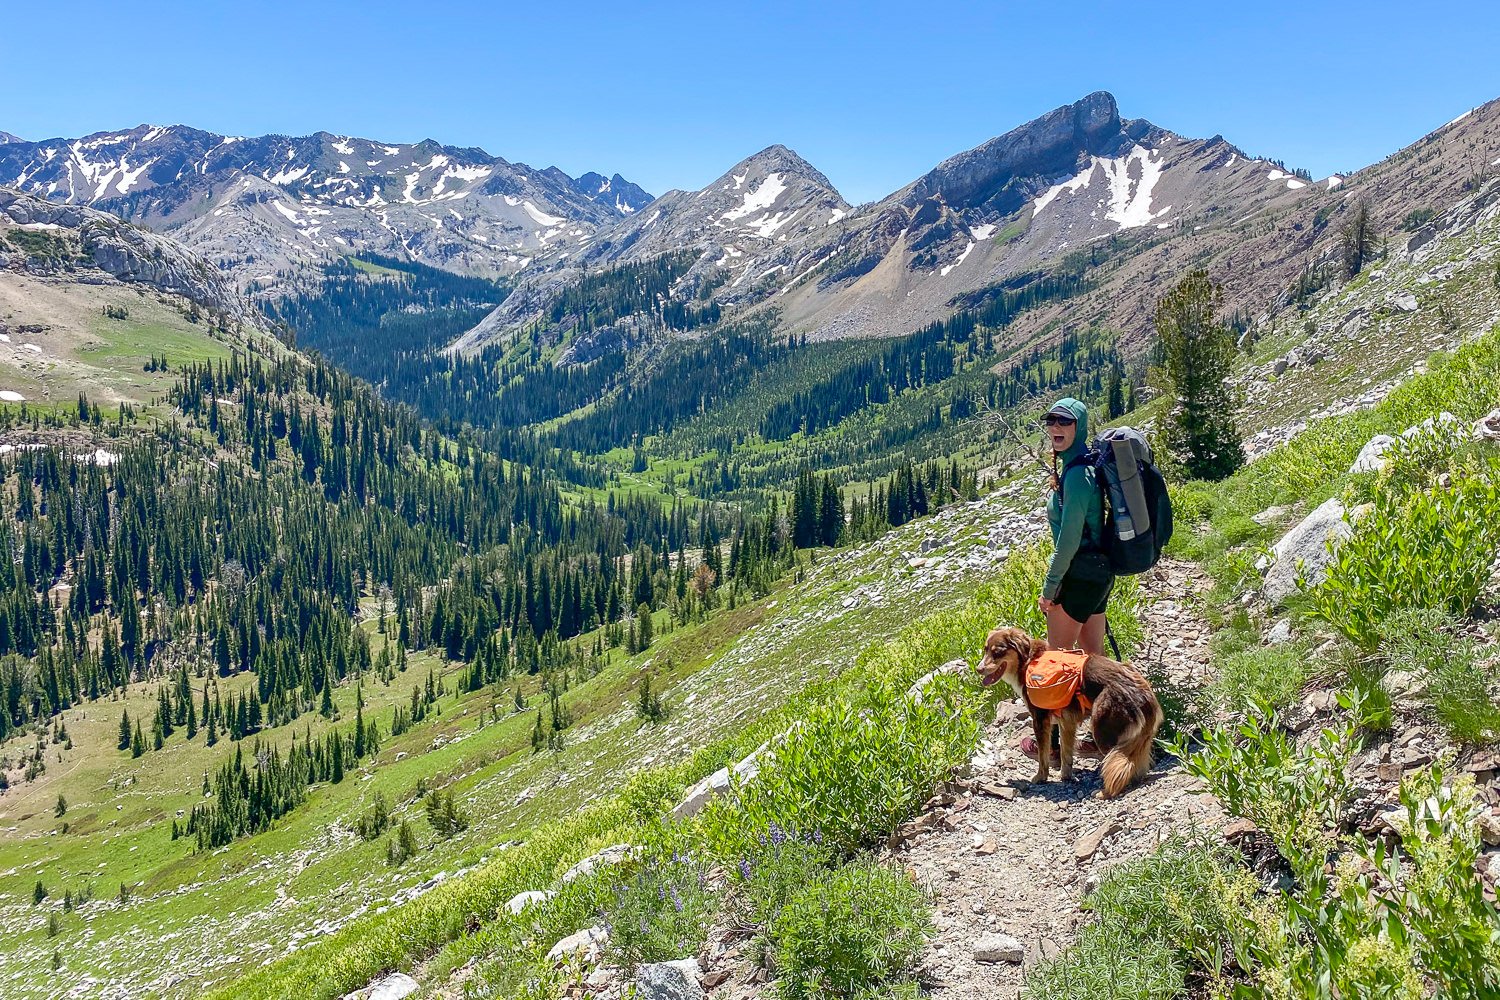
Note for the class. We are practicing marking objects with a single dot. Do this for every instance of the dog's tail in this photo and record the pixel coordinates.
(1130, 759)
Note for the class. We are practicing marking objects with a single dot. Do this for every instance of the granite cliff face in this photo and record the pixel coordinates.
(47, 239)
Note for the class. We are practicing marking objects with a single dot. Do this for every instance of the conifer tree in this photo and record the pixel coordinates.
(138, 742)
(1198, 354)
(124, 741)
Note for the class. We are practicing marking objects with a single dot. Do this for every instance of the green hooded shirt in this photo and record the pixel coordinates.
(1079, 511)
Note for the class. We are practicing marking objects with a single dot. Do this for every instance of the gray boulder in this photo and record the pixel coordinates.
(392, 987)
(999, 948)
(1306, 549)
(717, 784)
(952, 668)
(1487, 427)
(1279, 633)
(521, 900)
(677, 980)
(1372, 455)
(1403, 301)
(583, 946)
(609, 856)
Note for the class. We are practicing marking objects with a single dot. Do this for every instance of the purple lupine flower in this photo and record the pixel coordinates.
(778, 835)
(661, 894)
(745, 869)
(676, 900)
(645, 926)
(817, 836)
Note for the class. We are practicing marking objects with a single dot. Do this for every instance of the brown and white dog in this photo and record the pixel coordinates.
(1125, 712)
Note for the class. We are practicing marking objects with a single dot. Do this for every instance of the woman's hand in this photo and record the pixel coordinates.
(1045, 605)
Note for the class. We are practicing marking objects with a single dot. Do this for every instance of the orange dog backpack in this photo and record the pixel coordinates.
(1054, 678)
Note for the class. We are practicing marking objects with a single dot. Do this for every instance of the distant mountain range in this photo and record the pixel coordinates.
(266, 208)
(771, 239)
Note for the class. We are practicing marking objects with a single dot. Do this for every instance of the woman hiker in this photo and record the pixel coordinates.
(1075, 594)
(1076, 591)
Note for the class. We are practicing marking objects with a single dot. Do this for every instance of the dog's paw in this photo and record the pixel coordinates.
(1040, 778)
(1067, 775)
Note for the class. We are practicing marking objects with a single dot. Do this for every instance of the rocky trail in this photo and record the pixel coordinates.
(1009, 863)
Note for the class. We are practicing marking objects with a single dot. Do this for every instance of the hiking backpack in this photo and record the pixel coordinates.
(1137, 509)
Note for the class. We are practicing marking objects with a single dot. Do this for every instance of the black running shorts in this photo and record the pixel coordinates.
(1082, 599)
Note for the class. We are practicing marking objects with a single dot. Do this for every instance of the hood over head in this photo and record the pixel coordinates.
(1068, 406)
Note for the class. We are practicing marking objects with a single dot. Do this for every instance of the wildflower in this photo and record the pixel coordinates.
(676, 900)
(778, 835)
(745, 869)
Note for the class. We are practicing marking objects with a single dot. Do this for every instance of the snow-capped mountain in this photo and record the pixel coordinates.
(262, 207)
(7, 137)
(739, 226)
(772, 232)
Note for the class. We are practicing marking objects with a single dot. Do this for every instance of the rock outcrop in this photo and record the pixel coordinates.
(48, 238)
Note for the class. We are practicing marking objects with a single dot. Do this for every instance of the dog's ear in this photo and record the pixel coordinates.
(1026, 647)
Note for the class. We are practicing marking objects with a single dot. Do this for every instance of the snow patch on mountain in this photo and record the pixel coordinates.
(1130, 181)
(759, 198)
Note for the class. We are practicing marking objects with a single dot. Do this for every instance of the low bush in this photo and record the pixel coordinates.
(1272, 676)
(848, 930)
(658, 910)
(855, 770)
(778, 867)
(1457, 678)
(1109, 962)
(1186, 896)
(1295, 794)
(1427, 549)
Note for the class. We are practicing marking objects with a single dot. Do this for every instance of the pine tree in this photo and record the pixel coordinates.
(644, 635)
(538, 734)
(650, 706)
(137, 742)
(359, 730)
(124, 741)
(1198, 354)
(1357, 240)
(1114, 393)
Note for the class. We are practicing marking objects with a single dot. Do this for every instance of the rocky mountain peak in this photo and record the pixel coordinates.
(7, 137)
(999, 176)
(319, 197)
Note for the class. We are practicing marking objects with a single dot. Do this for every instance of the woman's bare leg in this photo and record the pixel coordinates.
(1091, 635)
(1062, 631)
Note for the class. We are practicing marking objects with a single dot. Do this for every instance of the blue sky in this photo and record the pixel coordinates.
(672, 94)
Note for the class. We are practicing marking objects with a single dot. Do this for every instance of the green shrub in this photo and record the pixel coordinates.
(1458, 678)
(1375, 714)
(848, 930)
(1428, 549)
(659, 910)
(779, 866)
(855, 771)
(1295, 795)
(1186, 897)
(1272, 676)
(1108, 963)
(1440, 905)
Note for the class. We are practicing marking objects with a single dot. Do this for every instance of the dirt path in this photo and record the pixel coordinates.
(1008, 861)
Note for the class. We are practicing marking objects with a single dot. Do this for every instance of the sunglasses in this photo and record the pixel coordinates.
(1053, 420)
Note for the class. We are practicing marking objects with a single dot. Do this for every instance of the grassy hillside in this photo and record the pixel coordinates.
(98, 340)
